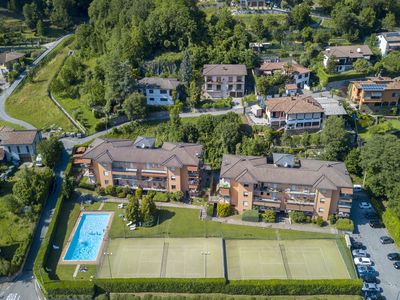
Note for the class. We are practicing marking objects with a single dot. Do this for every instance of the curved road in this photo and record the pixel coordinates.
(7, 92)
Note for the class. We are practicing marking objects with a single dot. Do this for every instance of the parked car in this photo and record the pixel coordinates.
(393, 256)
(371, 295)
(386, 240)
(357, 188)
(366, 270)
(365, 205)
(376, 224)
(362, 261)
(343, 215)
(397, 265)
(357, 245)
(359, 253)
(370, 287)
(369, 278)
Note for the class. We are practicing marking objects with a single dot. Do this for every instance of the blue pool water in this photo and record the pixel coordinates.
(88, 237)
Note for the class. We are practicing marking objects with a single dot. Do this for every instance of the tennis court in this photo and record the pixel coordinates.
(159, 257)
(288, 259)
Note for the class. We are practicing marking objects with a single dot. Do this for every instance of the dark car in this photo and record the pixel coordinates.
(368, 278)
(397, 265)
(386, 240)
(393, 256)
(371, 296)
(376, 224)
(357, 245)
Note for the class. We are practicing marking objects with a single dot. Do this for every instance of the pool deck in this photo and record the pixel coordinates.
(66, 247)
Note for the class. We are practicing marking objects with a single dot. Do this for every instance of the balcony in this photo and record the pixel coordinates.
(303, 192)
(300, 206)
(152, 172)
(193, 174)
(267, 202)
(121, 169)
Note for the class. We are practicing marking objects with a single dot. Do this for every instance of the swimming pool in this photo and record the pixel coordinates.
(88, 237)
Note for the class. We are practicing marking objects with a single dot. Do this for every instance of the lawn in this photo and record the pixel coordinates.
(168, 296)
(12, 125)
(325, 78)
(367, 132)
(30, 102)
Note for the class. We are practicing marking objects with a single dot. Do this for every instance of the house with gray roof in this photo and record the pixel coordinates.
(315, 187)
(345, 56)
(224, 80)
(19, 145)
(159, 91)
(388, 41)
(172, 167)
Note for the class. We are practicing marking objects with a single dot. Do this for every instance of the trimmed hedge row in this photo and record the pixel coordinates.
(69, 287)
(251, 215)
(237, 287)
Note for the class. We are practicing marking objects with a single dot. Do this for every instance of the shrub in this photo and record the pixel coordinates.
(67, 287)
(4, 267)
(332, 219)
(87, 186)
(161, 197)
(121, 195)
(210, 210)
(320, 221)
(177, 196)
(119, 189)
(345, 224)
(110, 190)
(298, 216)
(251, 215)
(101, 125)
(224, 210)
(392, 223)
(269, 216)
(100, 191)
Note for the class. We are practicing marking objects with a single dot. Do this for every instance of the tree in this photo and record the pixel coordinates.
(135, 106)
(40, 28)
(390, 64)
(31, 14)
(361, 65)
(257, 26)
(186, 68)
(194, 94)
(224, 210)
(132, 210)
(148, 211)
(389, 21)
(50, 151)
(301, 15)
(367, 19)
(334, 138)
(353, 161)
(60, 13)
(4, 267)
(331, 65)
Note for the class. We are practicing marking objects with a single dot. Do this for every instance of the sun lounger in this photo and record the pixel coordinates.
(129, 224)
(132, 228)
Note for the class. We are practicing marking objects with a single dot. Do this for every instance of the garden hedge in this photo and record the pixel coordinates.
(69, 287)
(251, 215)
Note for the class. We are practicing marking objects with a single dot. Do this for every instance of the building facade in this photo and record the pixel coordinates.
(223, 81)
(170, 168)
(252, 3)
(294, 113)
(318, 188)
(345, 56)
(388, 41)
(375, 93)
(159, 91)
(19, 145)
(299, 75)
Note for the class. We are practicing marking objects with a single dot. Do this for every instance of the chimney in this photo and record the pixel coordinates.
(358, 50)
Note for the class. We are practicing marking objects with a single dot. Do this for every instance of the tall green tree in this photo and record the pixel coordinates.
(132, 210)
(389, 21)
(31, 14)
(301, 15)
(334, 139)
(135, 106)
(186, 68)
(50, 150)
(148, 211)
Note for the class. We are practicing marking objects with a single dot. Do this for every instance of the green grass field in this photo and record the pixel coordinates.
(31, 103)
(12, 125)
(294, 259)
(169, 296)
(166, 258)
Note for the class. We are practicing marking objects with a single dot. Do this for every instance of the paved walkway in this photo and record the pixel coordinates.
(7, 92)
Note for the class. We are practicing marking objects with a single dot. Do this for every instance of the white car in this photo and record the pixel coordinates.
(362, 261)
(365, 205)
(359, 253)
(357, 188)
(370, 287)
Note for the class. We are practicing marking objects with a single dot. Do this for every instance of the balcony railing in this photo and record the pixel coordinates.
(303, 192)
(345, 204)
(122, 169)
(292, 201)
(154, 171)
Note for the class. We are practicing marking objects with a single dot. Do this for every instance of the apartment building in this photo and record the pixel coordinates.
(375, 93)
(315, 187)
(170, 168)
(345, 56)
(294, 113)
(159, 91)
(223, 81)
(299, 75)
(252, 3)
(388, 41)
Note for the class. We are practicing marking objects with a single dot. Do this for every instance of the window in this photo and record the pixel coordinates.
(218, 79)
(238, 86)
(218, 87)
(104, 165)
(209, 78)
(239, 78)
(18, 149)
(163, 99)
(106, 182)
(307, 124)
(9, 148)
(151, 92)
(105, 173)
(230, 78)
(173, 187)
(173, 168)
(306, 75)
(393, 95)
(245, 203)
(151, 99)
(293, 188)
(163, 92)
(322, 200)
(300, 76)
(315, 124)
(245, 194)
(299, 125)
(173, 178)
(209, 87)
(230, 87)
(321, 209)
(246, 185)
(27, 149)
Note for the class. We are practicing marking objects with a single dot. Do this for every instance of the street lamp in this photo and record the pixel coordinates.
(205, 254)
(108, 258)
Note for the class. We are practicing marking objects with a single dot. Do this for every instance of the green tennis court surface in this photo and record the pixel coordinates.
(158, 257)
(294, 259)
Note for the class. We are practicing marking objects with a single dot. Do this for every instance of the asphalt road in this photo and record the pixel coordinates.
(7, 92)
(389, 277)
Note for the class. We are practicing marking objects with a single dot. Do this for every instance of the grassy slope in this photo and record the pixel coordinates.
(12, 125)
(31, 102)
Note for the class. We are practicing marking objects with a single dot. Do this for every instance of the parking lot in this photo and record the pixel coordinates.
(388, 276)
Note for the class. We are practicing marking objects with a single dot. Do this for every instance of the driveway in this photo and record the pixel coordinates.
(389, 277)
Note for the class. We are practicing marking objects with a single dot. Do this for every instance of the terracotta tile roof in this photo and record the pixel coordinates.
(17, 137)
(352, 51)
(280, 66)
(170, 154)
(293, 105)
(381, 83)
(159, 83)
(316, 173)
(224, 69)
(7, 57)
(291, 86)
